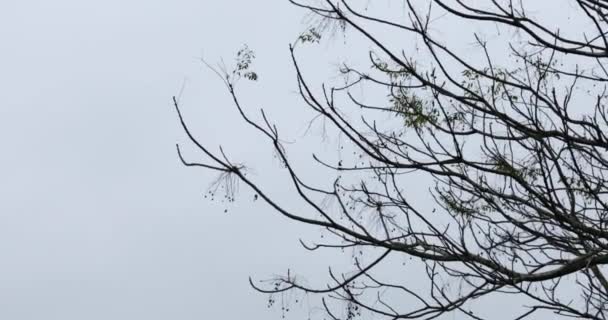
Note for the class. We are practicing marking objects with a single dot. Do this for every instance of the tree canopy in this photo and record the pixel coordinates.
(505, 124)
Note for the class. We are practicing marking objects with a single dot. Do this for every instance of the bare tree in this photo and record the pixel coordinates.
(512, 138)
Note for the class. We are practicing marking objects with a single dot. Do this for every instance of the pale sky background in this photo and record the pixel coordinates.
(98, 219)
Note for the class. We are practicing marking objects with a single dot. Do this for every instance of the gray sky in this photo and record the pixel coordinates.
(98, 220)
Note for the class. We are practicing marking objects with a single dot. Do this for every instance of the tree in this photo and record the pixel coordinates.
(512, 138)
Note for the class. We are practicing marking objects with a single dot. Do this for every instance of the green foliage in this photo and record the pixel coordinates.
(413, 110)
(397, 75)
(526, 173)
(479, 85)
(457, 206)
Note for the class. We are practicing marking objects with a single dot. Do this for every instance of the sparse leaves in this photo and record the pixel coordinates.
(310, 36)
(510, 144)
(244, 59)
(415, 113)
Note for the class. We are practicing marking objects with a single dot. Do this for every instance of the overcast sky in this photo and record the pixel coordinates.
(98, 220)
